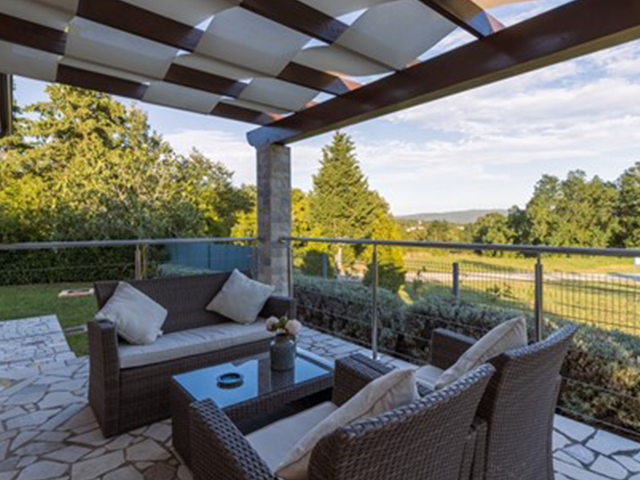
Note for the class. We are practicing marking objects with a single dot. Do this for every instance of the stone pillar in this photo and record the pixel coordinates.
(274, 214)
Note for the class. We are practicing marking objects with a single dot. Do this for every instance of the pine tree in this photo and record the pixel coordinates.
(628, 208)
(341, 204)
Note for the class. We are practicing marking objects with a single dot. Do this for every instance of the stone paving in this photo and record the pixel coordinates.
(47, 430)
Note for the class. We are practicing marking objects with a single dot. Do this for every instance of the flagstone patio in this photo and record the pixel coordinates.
(47, 430)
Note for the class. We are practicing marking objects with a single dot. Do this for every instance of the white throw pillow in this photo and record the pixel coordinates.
(241, 299)
(501, 339)
(138, 319)
(395, 389)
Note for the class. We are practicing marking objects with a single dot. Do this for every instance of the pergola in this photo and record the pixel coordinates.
(295, 68)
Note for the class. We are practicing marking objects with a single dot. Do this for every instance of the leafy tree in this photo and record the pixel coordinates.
(628, 208)
(84, 166)
(572, 212)
(493, 228)
(391, 273)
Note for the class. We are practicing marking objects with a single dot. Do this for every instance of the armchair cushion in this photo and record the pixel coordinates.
(241, 299)
(395, 389)
(506, 336)
(195, 341)
(274, 442)
(428, 375)
(137, 318)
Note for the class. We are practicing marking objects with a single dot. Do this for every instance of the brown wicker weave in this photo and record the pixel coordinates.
(518, 406)
(422, 441)
(123, 400)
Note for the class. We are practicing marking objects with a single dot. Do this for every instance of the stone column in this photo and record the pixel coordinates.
(274, 214)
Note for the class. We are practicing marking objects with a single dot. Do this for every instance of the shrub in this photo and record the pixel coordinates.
(344, 307)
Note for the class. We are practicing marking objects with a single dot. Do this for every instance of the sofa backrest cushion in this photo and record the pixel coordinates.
(185, 298)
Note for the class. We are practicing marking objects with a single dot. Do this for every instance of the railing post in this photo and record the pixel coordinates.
(138, 263)
(539, 296)
(374, 303)
(289, 268)
(456, 281)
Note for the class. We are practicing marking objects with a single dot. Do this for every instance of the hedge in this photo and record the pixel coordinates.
(82, 265)
(602, 370)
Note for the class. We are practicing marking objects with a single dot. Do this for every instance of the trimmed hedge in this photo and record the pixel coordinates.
(602, 370)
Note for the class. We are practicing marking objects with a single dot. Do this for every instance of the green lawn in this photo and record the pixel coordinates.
(24, 301)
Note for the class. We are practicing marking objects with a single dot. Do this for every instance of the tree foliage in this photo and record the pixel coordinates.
(84, 166)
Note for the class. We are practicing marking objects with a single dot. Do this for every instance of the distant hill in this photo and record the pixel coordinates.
(461, 217)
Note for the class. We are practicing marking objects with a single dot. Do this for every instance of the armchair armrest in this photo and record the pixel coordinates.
(447, 347)
(278, 306)
(219, 450)
(352, 374)
(104, 374)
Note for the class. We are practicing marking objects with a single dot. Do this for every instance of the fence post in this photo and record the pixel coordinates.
(374, 303)
(456, 281)
(325, 265)
(138, 263)
(539, 296)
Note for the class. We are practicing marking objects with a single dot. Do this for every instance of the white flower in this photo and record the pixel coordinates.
(271, 323)
(293, 327)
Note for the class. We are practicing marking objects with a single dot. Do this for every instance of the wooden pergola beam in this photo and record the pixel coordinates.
(467, 15)
(577, 28)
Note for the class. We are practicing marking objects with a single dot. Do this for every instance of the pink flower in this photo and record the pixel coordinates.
(293, 327)
(272, 323)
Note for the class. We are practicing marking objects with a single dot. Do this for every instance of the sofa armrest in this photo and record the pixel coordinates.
(279, 306)
(447, 347)
(218, 448)
(104, 374)
(352, 374)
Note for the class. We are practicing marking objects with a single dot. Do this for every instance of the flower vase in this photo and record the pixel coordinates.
(283, 352)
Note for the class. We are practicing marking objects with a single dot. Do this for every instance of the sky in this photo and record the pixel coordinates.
(482, 149)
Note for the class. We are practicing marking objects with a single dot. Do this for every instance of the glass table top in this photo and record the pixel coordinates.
(258, 378)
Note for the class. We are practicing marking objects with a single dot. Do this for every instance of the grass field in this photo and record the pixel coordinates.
(598, 291)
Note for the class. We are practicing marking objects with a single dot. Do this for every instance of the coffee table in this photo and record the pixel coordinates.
(263, 392)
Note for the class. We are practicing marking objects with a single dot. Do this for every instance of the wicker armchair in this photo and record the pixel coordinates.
(426, 440)
(518, 406)
(127, 398)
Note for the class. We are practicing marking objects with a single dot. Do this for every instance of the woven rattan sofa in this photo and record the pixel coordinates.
(426, 440)
(129, 384)
(518, 406)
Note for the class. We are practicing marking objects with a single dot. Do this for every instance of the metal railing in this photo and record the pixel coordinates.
(141, 245)
(534, 250)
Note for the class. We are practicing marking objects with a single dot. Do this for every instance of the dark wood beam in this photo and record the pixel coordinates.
(466, 14)
(300, 17)
(99, 81)
(241, 114)
(325, 82)
(207, 82)
(138, 21)
(33, 35)
(6, 105)
(577, 28)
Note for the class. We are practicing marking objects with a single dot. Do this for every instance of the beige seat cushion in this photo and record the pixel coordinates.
(137, 318)
(501, 339)
(241, 298)
(195, 341)
(275, 441)
(428, 375)
(395, 389)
